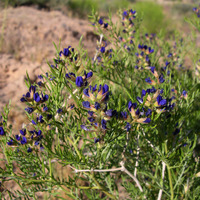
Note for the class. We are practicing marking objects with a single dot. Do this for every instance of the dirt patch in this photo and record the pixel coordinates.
(28, 43)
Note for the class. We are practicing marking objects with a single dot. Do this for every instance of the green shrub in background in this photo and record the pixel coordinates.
(153, 16)
(15, 3)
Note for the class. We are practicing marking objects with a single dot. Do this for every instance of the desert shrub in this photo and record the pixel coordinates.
(153, 16)
(127, 118)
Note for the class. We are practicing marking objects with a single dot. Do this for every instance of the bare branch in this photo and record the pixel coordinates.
(163, 176)
(137, 156)
(122, 168)
(100, 41)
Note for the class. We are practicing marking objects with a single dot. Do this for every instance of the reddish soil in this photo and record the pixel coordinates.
(28, 43)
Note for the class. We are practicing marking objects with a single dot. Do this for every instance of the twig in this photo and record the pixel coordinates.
(163, 176)
(123, 153)
(52, 161)
(122, 168)
(100, 41)
(70, 96)
(155, 148)
(137, 157)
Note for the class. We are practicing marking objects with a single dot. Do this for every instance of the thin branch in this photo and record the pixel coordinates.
(122, 169)
(70, 96)
(163, 176)
(123, 153)
(155, 148)
(137, 156)
(100, 41)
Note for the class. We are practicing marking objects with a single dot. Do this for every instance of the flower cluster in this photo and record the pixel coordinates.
(102, 23)
(34, 97)
(32, 139)
(68, 53)
(81, 81)
(96, 105)
(127, 38)
(143, 57)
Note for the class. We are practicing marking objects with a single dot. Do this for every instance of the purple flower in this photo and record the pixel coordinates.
(39, 133)
(59, 110)
(45, 108)
(195, 9)
(89, 75)
(24, 140)
(72, 106)
(132, 11)
(100, 21)
(105, 88)
(10, 142)
(45, 97)
(137, 112)
(84, 128)
(29, 150)
(105, 25)
(90, 113)
(140, 100)
(23, 132)
(153, 90)
(148, 112)
(160, 101)
(40, 119)
(40, 77)
(184, 93)
(37, 143)
(110, 112)
(36, 97)
(86, 104)
(161, 79)
(102, 49)
(33, 122)
(18, 137)
(79, 81)
(125, 13)
(170, 55)
(152, 69)
(97, 105)
(167, 63)
(124, 115)
(150, 50)
(49, 116)
(147, 120)
(29, 110)
(2, 132)
(32, 89)
(103, 123)
(23, 99)
(96, 140)
(86, 92)
(143, 93)
(131, 105)
(91, 119)
(128, 127)
(148, 80)
(69, 75)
